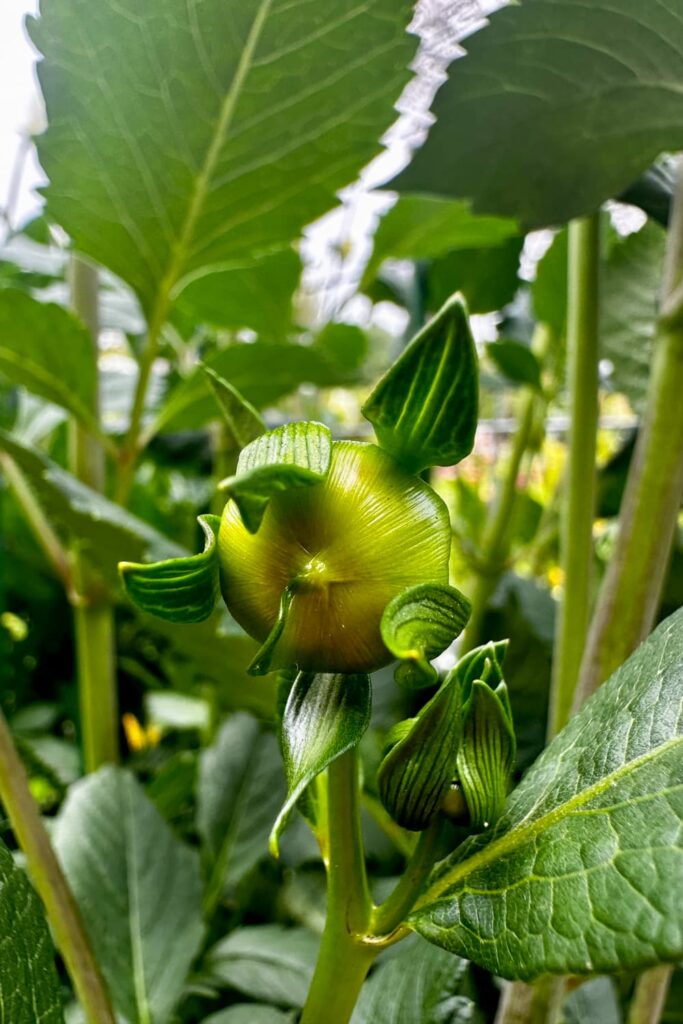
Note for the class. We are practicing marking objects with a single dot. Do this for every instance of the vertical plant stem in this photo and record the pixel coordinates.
(400, 902)
(93, 615)
(495, 544)
(576, 536)
(343, 959)
(530, 1004)
(631, 590)
(50, 884)
(650, 995)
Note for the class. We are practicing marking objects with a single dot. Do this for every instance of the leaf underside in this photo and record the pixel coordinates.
(557, 106)
(583, 873)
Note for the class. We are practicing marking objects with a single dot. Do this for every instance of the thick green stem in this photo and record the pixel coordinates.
(50, 884)
(344, 959)
(632, 587)
(93, 618)
(650, 995)
(576, 538)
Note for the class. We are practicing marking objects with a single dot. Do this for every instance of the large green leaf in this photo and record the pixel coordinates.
(630, 290)
(187, 134)
(29, 986)
(325, 715)
(138, 890)
(582, 874)
(45, 348)
(266, 962)
(558, 105)
(418, 984)
(424, 227)
(487, 277)
(240, 789)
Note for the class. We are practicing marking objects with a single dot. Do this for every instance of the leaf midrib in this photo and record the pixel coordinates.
(203, 178)
(516, 837)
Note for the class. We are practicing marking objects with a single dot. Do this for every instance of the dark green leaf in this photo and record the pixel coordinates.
(488, 278)
(582, 873)
(295, 455)
(419, 624)
(424, 409)
(240, 788)
(325, 716)
(417, 771)
(549, 290)
(243, 422)
(424, 227)
(556, 107)
(29, 986)
(45, 348)
(189, 405)
(138, 890)
(178, 589)
(265, 110)
(418, 985)
(516, 362)
(629, 297)
(487, 753)
(266, 962)
(255, 293)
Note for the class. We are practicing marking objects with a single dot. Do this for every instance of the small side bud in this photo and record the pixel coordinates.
(416, 773)
(487, 752)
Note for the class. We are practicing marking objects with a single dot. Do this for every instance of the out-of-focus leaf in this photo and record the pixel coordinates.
(581, 874)
(629, 292)
(29, 986)
(249, 1013)
(262, 372)
(255, 293)
(549, 290)
(325, 716)
(555, 108)
(486, 277)
(345, 345)
(45, 348)
(425, 227)
(245, 142)
(594, 1002)
(138, 890)
(516, 362)
(241, 421)
(240, 789)
(265, 962)
(425, 407)
(420, 984)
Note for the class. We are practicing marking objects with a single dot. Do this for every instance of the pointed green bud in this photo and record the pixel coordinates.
(416, 773)
(487, 752)
(424, 409)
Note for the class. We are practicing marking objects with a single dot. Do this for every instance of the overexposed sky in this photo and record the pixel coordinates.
(20, 106)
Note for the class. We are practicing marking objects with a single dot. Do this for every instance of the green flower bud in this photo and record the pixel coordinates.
(340, 550)
(416, 773)
(487, 752)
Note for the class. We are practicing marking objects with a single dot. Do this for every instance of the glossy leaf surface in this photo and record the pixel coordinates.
(421, 623)
(582, 873)
(29, 985)
(424, 409)
(325, 716)
(572, 100)
(242, 144)
(295, 455)
(138, 890)
(179, 589)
